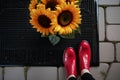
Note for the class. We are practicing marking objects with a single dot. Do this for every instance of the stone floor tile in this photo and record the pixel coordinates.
(99, 73)
(42, 73)
(61, 74)
(118, 51)
(106, 52)
(114, 72)
(14, 73)
(101, 24)
(1, 75)
(113, 32)
(113, 15)
(109, 2)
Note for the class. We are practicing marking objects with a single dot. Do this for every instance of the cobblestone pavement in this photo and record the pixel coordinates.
(109, 40)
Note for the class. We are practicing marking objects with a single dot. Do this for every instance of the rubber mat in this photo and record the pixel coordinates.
(20, 44)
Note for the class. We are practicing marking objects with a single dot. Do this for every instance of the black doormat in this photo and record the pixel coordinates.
(22, 45)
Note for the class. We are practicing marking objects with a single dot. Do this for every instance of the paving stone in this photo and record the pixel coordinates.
(99, 73)
(109, 2)
(114, 72)
(14, 73)
(113, 15)
(42, 73)
(101, 24)
(106, 52)
(1, 75)
(62, 74)
(118, 51)
(113, 32)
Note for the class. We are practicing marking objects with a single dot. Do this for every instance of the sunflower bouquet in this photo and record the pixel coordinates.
(55, 19)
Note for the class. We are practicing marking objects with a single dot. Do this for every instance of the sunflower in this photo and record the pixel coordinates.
(68, 18)
(42, 19)
(51, 3)
(33, 4)
(75, 1)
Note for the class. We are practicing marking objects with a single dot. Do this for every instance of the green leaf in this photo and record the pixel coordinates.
(54, 39)
(69, 36)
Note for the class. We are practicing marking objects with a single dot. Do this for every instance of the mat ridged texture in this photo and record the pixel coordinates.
(20, 44)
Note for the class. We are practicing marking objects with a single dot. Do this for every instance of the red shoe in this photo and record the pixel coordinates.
(69, 60)
(84, 56)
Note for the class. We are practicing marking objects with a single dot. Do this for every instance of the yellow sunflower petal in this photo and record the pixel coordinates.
(69, 30)
(61, 31)
(33, 5)
(57, 28)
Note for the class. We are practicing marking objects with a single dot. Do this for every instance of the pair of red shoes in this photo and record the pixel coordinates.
(69, 59)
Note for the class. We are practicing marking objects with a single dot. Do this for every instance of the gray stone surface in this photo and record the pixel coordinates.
(118, 52)
(113, 15)
(113, 32)
(14, 73)
(109, 2)
(106, 52)
(101, 24)
(99, 73)
(1, 75)
(62, 74)
(114, 72)
(42, 73)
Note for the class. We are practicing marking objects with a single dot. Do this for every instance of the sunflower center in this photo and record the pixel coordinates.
(44, 21)
(51, 4)
(65, 18)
